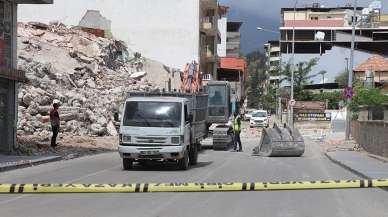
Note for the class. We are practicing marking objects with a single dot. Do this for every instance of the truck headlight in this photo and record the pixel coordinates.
(175, 140)
(126, 139)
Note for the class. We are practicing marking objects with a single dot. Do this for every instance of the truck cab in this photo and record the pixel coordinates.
(156, 128)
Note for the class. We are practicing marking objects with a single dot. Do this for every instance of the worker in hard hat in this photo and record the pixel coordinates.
(236, 125)
(55, 123)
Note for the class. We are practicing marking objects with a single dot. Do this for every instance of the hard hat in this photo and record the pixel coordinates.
(56, 102)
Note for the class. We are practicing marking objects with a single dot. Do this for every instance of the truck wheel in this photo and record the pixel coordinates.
(127, 164)
(193, 155)
(183, 163)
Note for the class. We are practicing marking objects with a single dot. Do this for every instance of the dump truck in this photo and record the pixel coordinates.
(219, 113)
(163, 126)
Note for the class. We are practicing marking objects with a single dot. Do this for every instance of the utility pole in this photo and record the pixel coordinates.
(291, 108)
(350, 78)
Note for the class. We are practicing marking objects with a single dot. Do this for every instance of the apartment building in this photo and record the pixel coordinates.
(209, 37)
(273, 61)
(272, 55)
(9, 75)
(233, 39)
(318, 16)
(319, 28)
(222, 28)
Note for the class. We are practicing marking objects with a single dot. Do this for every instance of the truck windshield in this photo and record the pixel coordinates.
(216, 95)
(153, 114)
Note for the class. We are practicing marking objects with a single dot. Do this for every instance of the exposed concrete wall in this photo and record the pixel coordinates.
(164, 30)
(221, 48)
(95, 20)
(8, 90)
(372, 136)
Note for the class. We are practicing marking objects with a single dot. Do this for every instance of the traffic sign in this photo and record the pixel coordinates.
(348, 93)
(292, 102)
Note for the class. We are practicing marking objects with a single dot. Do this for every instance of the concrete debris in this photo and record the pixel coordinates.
(138, 75)
(88, 75)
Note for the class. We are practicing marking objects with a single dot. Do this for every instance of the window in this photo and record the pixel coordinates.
(186, 114)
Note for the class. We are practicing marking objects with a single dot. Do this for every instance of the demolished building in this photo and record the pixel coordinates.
(86, 73)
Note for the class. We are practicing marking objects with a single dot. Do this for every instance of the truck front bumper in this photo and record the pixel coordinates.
(151, 153)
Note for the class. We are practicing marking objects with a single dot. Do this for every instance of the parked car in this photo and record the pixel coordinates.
(259, 119)
(248, 114)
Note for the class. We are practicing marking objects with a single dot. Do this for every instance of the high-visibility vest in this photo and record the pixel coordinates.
(236, 125)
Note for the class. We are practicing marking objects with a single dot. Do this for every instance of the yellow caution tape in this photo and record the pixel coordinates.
(190, 187)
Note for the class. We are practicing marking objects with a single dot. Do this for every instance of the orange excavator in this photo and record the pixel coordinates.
(191, 81)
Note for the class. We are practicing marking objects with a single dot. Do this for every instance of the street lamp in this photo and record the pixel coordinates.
(350, 77)
(267, 30)
(291, 108)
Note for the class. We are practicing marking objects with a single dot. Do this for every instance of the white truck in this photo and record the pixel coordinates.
(162, 127)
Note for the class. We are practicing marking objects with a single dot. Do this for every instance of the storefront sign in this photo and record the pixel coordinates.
(316, 116)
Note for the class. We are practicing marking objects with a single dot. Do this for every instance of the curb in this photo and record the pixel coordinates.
(347, 167)
(350, 169)
(30, 163)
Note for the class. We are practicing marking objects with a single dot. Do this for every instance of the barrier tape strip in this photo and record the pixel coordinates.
(189, 187)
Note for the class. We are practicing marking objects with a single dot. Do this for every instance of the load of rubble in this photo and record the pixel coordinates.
(88, 75)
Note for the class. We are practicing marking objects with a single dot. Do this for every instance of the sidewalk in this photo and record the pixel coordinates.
(8, 162)
(360, 163)
(350, 156)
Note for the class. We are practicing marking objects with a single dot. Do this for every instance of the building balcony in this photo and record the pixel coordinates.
(209, 26)
(274, 59)
(208, 55)
(275, 49)
(314, 23)
(207, 77)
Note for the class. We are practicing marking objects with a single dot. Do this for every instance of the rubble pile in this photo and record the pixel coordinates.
(88, 75)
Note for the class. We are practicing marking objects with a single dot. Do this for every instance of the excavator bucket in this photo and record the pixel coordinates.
(280, 142)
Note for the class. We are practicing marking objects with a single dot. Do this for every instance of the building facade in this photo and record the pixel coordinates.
(9, 75)
(209, 37)
(273, 64)
(96, 24)
(233, 39)
(318, 29)
(222, 28)
(374, 69)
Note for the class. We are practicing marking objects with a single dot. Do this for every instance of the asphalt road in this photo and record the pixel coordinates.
(213, 167)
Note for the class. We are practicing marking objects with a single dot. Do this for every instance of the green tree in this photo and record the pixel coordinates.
(370, 97)
(301, 75)
(342, 79)
(256, 70)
